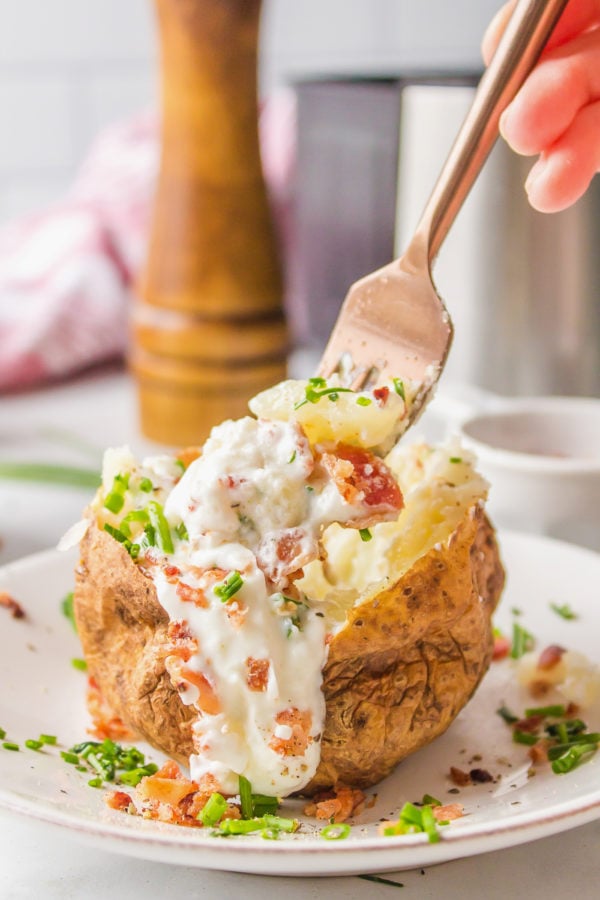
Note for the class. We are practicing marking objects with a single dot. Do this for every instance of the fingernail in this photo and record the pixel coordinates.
(502, 122)
(534, 176)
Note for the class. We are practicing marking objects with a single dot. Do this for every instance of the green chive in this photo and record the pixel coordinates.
(507, 715)
(336, 832)
(456, 459)
(247, 826)
(116, 533)
(522, 641)
(572, 758)
(363, 401)
(79, 664)
(48, 739)
(212, 810)
(313, 396)
(292, 457)
(556, 711)
(399, 387)
(71, 758)
(146, 486)
(429, 825)
(2, 733)
(226, 589)
(264, 805)
(365, 534)
(33, 745)
(377, 879)
(9, 745)
(182, 532)
(163, 532)
(132, 777)
(114, 502)
(571, 727)
(69, 476)
(564, 610)
(95, 782)
(68, 610)
(525, 737)
(246, 805)
(428, 800)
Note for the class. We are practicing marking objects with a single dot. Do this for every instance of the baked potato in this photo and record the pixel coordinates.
(385, 616)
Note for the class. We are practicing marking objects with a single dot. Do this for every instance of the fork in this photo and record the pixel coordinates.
(393, 323)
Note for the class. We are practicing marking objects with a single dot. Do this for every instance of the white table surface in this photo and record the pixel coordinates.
(41, 861)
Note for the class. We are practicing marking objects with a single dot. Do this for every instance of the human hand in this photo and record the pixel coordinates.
(556, 114)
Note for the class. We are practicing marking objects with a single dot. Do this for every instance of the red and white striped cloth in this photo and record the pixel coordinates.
(66, 274)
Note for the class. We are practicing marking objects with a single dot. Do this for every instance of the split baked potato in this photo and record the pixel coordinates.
(406, 606)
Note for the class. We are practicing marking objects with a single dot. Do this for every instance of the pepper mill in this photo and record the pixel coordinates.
(208, 329)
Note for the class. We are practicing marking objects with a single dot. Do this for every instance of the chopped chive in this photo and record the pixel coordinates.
(363, 401)
(525, 737)
(509, 717)
(69, 757)
(163, 532)
(564, 610)
(313, 396)
(428, 800)
(96, 782)
(309, 488)
(10, 745)
(69, 476)
(116, 533)
(146, 486)
(247, 826)
(572, 757)
(2, 733)
(365, 534)
(246, 805)
(377, 879)
(68, 610)
(292, 457)
(571, 727)
(555, 710)
(48, 739)
(264, 805)
(182, 532)
(317, 382)
(226, 589)
(212, 810)
(33, 745)
(522, 641)
(114, 502)
(132, 777)
(429, 825)
(456, 459)
(336, 831)
(79, 664)
(399, 387)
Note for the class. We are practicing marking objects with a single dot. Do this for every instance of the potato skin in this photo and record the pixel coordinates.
(123, 632)
(397, 674)
(409, 658)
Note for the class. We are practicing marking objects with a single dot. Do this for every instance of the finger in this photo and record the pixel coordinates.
(562, 84)
(577, 17)
(563, 174)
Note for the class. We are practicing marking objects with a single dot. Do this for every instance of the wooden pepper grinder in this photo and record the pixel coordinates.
(208, 327)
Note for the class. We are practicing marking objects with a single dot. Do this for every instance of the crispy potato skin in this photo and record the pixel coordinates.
(397, 674)
(123, 631)
(409, 658)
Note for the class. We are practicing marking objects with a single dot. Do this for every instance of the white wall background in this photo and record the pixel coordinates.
(69, 67)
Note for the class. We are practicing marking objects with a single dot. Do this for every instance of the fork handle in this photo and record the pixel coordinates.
(521, 44)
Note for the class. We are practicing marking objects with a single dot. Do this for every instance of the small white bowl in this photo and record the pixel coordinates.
(541, 456)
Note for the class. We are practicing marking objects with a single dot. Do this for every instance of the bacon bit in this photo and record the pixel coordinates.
(529, 725)
(448, 813)
(360, 476)
(118, 800)
(236, 611)
(538, 753)
(182, 642)
(207, 701)
(168, 785)
(258, 673)
(300, 722)
(9, 603)
(381, 394)
(190, 594)
(501, 647)
(550, 657)
(105, 723)
(572, 711)
(458, 777)
(187, 455)
(336, 806)
(171, 573)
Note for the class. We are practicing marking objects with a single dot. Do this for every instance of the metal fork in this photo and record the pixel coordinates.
(393, 323)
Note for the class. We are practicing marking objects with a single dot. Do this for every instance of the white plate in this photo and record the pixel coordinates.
(43, 693)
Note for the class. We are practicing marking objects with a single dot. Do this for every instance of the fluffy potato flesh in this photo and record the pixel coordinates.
(407, 613)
